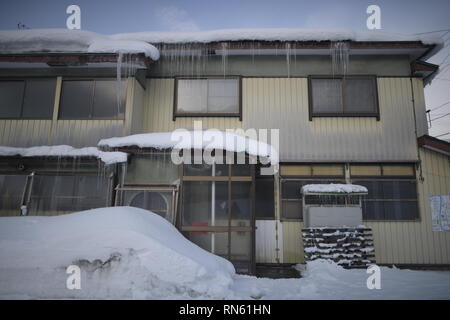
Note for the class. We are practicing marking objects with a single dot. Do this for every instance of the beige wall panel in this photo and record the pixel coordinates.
(282, 103)
(292, 243)
(82, 133)
(24, 133)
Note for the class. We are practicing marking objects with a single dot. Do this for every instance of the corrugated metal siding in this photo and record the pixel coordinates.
(138, 107)
(24, 133)
(283, 103)
(159, 109)
(81, 133)
(292, 242)
(77, 133)
(269, 241)
(415, 242)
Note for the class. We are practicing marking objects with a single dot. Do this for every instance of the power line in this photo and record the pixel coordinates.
(435, 31)
(445, 115)
(444, 134)
(440, 106)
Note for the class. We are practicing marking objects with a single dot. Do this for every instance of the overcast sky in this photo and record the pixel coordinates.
(115, 16)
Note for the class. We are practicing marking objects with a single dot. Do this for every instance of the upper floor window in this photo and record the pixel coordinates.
(343, 96)
(27, 99)
(92, 99)
(207, 97)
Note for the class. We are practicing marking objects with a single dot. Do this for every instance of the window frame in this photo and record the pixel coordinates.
(387, 177)
(312, 179)
(24, 80)
(313, 114)
(177, 114)
(93, 79)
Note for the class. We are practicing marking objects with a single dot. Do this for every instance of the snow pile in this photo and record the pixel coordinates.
(65, 151)
(196, 139)
(334, 188)
(272, 34)
(71, 41)
(123, 252)
(322, 279)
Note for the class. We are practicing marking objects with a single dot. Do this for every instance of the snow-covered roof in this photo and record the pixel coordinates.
(65, 151)
(272, 34)
(81, 41)
(196, 139)
(333, 188)
(70, 41)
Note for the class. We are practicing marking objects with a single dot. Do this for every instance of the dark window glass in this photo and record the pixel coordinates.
(59, 194)
(264, 201)
(107, 104)
(11, 191)
(292, 189)
(359, 95)
(241, 203)
(327, 95)
(76, 99)
(291, 199)
(197, 203)
(92, 99)
(39, 99)
(221, 170)
(340, 96)
(29, 99)
(11, 97)
(390, 200)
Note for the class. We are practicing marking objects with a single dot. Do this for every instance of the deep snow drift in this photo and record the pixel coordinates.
(130, 253)
(123, 252)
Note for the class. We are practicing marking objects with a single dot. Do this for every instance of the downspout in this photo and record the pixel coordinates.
(421, 179)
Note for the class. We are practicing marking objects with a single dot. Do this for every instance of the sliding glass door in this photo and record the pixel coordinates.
(217, 211)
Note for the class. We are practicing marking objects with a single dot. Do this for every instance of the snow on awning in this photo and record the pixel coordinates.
(70, 41)
(65, 151)
(333, 188)
(196, 139)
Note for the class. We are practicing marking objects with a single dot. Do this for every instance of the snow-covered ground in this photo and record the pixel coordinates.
(326, 280)
(130, 253)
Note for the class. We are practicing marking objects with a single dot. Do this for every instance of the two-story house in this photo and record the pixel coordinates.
(349, 108)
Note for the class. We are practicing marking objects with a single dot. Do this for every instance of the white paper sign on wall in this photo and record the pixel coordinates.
(440, 212)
